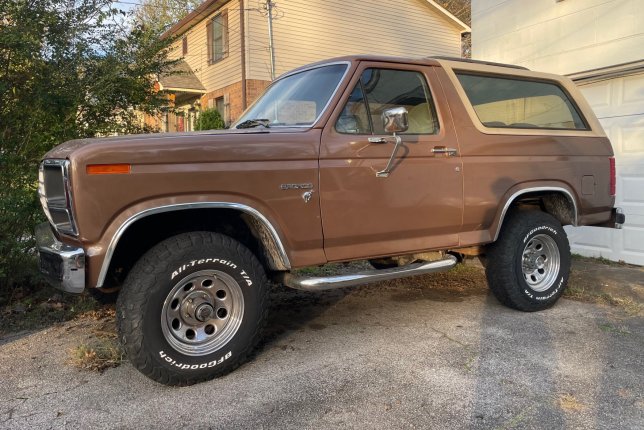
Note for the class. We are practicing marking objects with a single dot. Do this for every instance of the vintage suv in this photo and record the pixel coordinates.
(408, 163)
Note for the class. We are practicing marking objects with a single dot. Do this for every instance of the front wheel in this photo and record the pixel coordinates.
(192, 308)
(528, 266)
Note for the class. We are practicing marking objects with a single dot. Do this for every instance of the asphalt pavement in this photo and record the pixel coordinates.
(403, 354)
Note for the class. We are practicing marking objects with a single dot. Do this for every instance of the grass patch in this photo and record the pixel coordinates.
(568, 402)
(97, 355)
(100, 349)
(599, 260)
(609, 328)
(582, 294)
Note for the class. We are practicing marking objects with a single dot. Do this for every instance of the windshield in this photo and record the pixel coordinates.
(296, 100)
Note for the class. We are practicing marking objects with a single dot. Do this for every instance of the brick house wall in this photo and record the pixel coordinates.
(232, 95)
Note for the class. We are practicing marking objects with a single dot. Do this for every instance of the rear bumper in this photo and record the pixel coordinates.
(63, 265)
(617, 219)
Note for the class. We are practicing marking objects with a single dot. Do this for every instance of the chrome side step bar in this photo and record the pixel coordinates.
(323, 283)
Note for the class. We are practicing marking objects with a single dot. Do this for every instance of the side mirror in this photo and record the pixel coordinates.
(395, 120)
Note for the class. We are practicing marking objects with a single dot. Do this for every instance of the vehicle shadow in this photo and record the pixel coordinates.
(515, 373)
(294, 310)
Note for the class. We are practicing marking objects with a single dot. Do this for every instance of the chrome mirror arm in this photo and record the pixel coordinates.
(387, 170)
(394, 120)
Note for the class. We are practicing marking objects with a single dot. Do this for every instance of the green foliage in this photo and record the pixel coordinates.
(68, 69)
(210, 119)
(162, 14)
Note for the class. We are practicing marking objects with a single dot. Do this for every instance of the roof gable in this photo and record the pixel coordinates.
(181, 77)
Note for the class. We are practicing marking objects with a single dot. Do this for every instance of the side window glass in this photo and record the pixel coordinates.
(505, 102)
(354, 118)
(381, 89)
(385, 88)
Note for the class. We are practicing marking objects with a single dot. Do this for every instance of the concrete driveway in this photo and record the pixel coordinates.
(428, 352)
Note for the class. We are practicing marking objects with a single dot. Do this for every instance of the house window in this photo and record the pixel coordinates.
(217, 30)
(220, 106)
(184, 46)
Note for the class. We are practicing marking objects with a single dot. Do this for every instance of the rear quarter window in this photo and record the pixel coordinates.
(502, 102)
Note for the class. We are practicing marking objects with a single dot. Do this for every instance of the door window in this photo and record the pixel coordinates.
(381, 89)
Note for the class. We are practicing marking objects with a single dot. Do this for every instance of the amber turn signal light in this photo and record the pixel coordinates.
(108, 169)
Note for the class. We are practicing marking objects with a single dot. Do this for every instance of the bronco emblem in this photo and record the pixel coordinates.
(306, 186)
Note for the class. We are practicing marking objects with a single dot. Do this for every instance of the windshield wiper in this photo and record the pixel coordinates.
(251, 123)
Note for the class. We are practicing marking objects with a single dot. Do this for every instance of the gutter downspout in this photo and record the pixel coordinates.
(242, 32)
(271, 44)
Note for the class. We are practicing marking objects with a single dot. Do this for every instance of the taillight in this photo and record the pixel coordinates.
(611, 160)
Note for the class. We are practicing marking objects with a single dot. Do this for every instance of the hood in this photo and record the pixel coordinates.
(67, 149)
(186, 149)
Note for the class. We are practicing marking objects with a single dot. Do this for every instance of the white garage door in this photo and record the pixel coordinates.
(619, 105)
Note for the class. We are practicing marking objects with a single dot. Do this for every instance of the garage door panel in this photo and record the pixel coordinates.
(632, 92)
(599, 97)
(631, 189)
(632, 136)
(619, 105)
(633, 238)
(591, 238)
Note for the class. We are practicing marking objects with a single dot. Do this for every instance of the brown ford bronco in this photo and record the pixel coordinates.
(410, 164)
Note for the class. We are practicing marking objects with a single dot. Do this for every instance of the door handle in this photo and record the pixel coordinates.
(444, 150)
(377, 140)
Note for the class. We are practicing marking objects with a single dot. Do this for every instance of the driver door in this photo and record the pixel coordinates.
(419, 206)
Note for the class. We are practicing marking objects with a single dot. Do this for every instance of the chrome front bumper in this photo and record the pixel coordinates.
(63, 265)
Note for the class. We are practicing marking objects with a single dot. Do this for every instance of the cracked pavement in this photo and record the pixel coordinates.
(402, 354)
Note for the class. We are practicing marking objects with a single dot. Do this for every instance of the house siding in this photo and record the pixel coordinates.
(306, 31)
(559, 37)
(224, 72)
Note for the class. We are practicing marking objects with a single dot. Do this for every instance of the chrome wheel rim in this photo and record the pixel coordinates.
(202, 312)
(541, 262)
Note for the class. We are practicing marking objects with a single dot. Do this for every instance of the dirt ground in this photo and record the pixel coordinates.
(434, 351)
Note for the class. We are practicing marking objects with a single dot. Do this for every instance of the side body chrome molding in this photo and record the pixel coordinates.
(514, 196)
(184, 206)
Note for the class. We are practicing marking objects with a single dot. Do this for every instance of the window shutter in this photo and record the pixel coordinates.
(224, 23)
(209, 41)
(226, 113)
(185, 45)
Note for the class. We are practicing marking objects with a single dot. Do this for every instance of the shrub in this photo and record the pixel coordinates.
(68, 70)
(210, 119)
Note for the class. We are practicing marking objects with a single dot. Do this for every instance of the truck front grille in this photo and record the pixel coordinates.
(55, 195)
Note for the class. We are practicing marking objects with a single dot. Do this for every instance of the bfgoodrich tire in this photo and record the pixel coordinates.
(528, 266)
(192, 308)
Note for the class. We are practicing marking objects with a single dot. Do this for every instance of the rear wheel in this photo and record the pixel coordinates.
(528, 266)
(192, 308)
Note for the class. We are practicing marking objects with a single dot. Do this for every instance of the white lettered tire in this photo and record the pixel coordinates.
(529, 264)
(192, 308)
